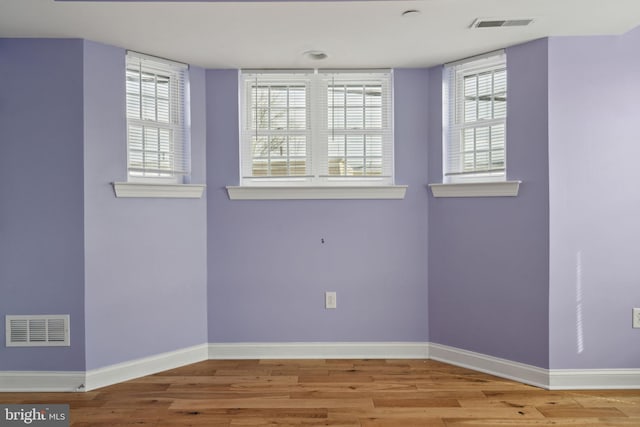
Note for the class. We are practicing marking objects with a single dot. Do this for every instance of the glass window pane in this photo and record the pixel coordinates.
(278, 118)
(373, 118)
(500, 94)
(373, 96)
(148, 84)
(497, 137)
(163, 110)
(278, 96)
(482, 139)
(355, 118)
(162, 87)
(355, 146)
(355, 96)
(260, 118)
(336, 118)
(297, 118)
(135, 137)
(374, 166)
(165, 141)
(133, 106)
(497, 159)
(260, 167)
(297, 97)
(482, 160)
(374, 146)
(151, 139)
(148, 108)
(336, 96)
(468, 140)
(336, 146)
(259, 146)
(355, 166)
(277, 146)
(297, 146)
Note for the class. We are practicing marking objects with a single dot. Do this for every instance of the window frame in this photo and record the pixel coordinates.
(454, 123)
(317, 129)
(176, 125)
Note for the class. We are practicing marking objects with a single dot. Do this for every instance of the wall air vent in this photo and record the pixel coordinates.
(37, 331)
(496, 22)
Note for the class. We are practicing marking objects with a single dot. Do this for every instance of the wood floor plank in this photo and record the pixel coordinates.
(339, 393)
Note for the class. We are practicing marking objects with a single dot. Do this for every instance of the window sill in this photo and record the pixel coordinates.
(477, 189)
(170, 191)
(386, 192)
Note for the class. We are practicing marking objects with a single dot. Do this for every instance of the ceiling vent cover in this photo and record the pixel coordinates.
(497, 22)
(37, 331)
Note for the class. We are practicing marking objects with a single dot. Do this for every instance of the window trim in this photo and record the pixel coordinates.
(178, 116)
(315, 157)
(151, 190)
(323, 192)
(453, 109)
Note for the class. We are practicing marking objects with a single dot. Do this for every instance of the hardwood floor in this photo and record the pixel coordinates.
(366, 393)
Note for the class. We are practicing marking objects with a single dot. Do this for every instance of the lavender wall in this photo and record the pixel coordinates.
(268, 269)
(41, 194)
(145, 258)
(595, 204)
(488, 263)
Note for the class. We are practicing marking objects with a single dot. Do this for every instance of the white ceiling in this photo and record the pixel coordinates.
(275, 34)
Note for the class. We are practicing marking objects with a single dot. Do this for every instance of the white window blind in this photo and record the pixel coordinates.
(316, 128)
(157, 135)
(475, 124)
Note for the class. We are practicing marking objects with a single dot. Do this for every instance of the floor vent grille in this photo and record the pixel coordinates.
(37, 331)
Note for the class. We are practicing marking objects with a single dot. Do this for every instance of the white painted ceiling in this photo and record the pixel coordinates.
(276, 34)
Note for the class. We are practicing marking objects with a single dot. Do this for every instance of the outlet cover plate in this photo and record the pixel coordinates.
(636, 318)
(330, 300)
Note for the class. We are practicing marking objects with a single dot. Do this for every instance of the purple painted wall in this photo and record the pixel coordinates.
(41, 194)
(489, 257)
(145, 258)
(595, 203)
(268, 269)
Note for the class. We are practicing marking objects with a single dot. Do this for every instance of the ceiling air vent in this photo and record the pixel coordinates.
(37, 331)
(495, 22)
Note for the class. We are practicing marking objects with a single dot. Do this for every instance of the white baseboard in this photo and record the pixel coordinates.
(125, 371)
(554, 379)
(320, 350)
(41, 381)
(594, 379)
(503, 368)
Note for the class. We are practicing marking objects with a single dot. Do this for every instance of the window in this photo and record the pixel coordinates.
(475, 123)
(157, 138)
(316, 128)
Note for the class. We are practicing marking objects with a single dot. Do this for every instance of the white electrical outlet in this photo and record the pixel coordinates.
(330, 300)
(636, 318)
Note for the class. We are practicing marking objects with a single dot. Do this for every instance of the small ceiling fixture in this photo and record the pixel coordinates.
(498, 22)
(316, 55)
(410, 13)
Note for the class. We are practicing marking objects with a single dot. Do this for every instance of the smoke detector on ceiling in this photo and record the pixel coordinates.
(501, 22)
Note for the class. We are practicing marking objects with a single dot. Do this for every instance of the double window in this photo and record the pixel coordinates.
(475, 136)
(157, 137)
(316, 128)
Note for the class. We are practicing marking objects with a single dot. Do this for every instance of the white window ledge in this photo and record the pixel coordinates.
(171, 191)
(476, 189)
(387, 192)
